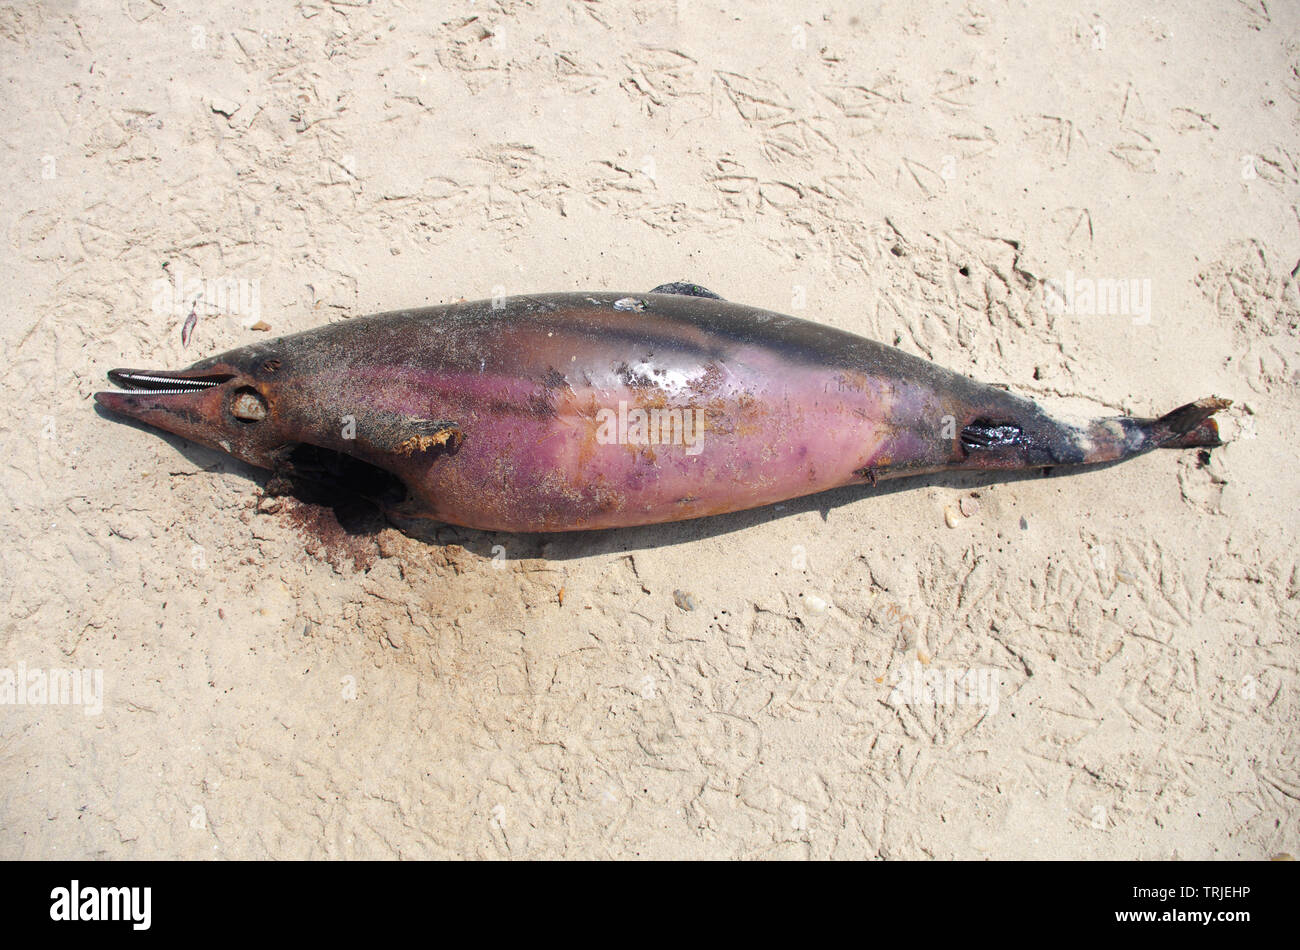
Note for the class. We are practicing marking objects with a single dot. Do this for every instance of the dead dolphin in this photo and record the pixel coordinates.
(571, 411)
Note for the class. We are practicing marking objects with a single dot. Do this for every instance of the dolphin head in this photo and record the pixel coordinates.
(295, 408)
(239, 402)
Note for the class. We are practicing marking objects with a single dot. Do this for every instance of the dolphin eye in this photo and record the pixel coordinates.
(248, 405)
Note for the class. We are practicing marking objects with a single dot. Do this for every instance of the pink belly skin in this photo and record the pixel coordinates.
(753, 430)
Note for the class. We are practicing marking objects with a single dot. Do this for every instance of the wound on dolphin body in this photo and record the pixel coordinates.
(983, 434)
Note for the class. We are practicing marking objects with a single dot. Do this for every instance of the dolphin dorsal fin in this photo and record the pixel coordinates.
(685, 289)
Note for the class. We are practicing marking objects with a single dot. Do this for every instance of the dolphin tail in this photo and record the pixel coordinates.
(1188, 427)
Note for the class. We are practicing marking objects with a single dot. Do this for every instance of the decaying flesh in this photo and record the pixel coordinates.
(497, 415)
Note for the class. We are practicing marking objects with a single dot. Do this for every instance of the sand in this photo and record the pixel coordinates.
(1123, 642)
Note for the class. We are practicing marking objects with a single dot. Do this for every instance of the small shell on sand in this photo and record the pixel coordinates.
(950, 516)
(817, 605)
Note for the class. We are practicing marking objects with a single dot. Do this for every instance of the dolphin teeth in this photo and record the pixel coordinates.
(159, 392)
(151, 384)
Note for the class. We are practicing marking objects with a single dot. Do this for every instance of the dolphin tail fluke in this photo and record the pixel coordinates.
(1191, 426)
